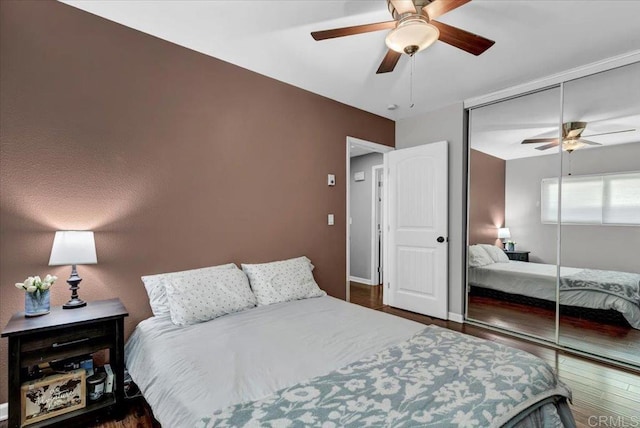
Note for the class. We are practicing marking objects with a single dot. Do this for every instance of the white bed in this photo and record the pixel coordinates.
(539, 281)
(203, 373)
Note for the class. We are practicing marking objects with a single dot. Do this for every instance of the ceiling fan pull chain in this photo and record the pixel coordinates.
(413, 62)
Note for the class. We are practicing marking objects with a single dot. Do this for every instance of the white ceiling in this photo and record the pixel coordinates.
(533, 39)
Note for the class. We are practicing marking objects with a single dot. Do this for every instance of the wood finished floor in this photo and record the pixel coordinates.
(614, 341)
(598, 389)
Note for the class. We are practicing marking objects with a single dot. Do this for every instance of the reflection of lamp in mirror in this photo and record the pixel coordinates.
(504, 234)
(73, 247)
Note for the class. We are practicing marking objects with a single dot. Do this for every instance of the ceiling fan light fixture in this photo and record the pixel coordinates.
(571, 145)
(412, 35)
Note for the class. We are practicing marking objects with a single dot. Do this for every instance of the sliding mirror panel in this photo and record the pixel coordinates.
(600, 215)
(512, 274)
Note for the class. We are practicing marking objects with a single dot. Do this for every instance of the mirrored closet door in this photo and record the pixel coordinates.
(600, 216)
(554, 185)
(512, 256)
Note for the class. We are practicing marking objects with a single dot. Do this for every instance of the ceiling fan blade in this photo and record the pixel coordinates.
(439, 7)
(389, 62)
(403, 6)
(591, 143)
(462, 39)
(607, 133)
(350, 31)
(548, 146)
(539, 140)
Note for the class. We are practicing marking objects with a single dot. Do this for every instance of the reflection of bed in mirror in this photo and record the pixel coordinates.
(584, 292)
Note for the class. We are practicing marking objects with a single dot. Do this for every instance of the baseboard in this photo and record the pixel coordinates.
(360, 280)
(4, 411)
(456, 317)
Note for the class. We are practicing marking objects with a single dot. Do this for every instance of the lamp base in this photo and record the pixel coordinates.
(74, 303)
(73, 281)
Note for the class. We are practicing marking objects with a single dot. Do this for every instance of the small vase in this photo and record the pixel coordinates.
(511, 247)
(36, 303)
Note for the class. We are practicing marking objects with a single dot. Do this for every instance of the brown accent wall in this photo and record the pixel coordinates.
(486, 197)
(175, 159)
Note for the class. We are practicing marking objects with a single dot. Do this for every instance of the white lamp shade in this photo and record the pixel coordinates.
(73, 247)
(412, 33)
(504, 233)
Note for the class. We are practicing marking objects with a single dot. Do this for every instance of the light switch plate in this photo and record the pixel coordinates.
(359, 176)
(331, 179)
(330, 220)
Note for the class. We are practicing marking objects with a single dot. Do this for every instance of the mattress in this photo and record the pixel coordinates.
(187, 373)
(539, 280)
(248, 355)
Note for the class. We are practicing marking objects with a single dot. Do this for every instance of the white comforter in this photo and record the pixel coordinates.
(187, 372)
(539, 280)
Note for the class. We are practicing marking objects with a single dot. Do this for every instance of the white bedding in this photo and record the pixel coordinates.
(274, 347)
(539, 280)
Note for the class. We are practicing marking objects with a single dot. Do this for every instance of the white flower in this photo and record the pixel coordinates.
(334, 415)
(354, 384)
(464, 419)
(33, 283)
(307, 393)
(387, 386)
(359, 405)
(508, 371)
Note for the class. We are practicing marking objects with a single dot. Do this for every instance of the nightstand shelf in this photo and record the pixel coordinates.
(520, 256)
(63, 334)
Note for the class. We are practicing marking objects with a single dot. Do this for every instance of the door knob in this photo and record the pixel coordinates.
(440, 239)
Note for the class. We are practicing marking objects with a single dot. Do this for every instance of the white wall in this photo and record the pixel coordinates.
(447, 124)
(360, 195)
(598, 247)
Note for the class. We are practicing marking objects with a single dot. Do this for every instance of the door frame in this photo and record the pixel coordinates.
(376, 253)
(375, 148)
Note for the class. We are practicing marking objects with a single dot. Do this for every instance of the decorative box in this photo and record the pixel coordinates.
(52, 396)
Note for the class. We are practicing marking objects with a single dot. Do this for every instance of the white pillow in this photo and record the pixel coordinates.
(479, 257)
(497, 254)
(282, 281)
(202, 295)
(155, 286)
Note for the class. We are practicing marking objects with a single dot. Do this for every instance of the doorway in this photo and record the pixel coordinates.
(365, 235)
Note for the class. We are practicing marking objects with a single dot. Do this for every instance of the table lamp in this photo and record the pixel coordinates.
(504, 234)
(73, 247)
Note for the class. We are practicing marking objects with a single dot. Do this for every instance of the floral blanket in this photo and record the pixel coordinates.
(622, 284)
(437, 378)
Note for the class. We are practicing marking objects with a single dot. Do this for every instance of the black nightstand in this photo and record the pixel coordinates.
(520, 256)
(62, 334)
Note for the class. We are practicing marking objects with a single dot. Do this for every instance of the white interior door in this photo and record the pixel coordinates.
(416, 266)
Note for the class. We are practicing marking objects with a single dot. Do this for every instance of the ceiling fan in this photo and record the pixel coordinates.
(413, 29)
(571, 138)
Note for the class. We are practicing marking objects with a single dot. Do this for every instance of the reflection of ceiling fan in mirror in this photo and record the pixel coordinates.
(413, 29)
(571, 137)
